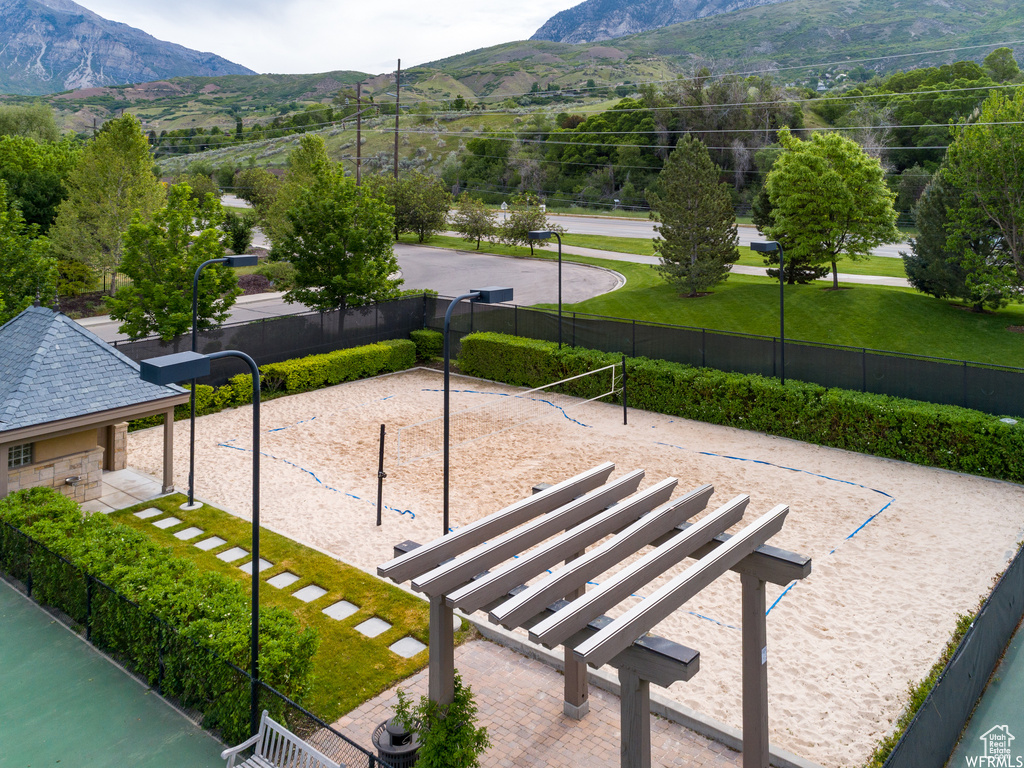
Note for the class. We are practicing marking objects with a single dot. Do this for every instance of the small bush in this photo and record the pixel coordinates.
(280, 273)
(429, 344)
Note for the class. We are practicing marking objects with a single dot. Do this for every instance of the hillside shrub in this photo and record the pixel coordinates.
(207, 608)
(943, 436)
(429, 343)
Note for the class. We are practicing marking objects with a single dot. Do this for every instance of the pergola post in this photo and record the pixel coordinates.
(755, 672)
(168, 483)
(577, 691)
(635, 720)
(441, 666)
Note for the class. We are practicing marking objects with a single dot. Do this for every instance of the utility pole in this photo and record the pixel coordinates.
(359, 131)
(398, 78)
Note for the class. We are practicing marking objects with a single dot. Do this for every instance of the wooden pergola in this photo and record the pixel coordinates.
(577, 530)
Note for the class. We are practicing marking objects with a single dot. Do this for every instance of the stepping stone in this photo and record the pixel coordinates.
(373, 627)
(148, 513)
(340, 610)
(235, 553)
(167, 522)
(283, 580)
(310, 593)
(188, 533)
(211, 543)
(247, 567)
(407, 647)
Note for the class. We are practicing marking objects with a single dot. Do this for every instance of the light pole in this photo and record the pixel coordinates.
(231, 261)
(193, 365)
(544, 234)
(491, 295)
(770, 246)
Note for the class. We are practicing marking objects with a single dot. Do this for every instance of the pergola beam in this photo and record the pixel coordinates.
(448, 576)
(429, 556)
(530, 600)
(565, 547)
(610, 592)
(639, 619)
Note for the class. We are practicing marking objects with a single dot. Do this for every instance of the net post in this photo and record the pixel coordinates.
(624, 412)
(380, 475)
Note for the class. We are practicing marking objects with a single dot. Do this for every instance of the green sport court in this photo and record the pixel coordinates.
(64, 703)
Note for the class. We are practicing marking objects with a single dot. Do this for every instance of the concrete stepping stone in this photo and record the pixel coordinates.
(310, 593)
(188, 533)
(148, 513)
(407, 647)
(235, 553)
(211, 543)
(340, 610)
(373, 627)
(167, 522)
(247, 567)
(283, 580)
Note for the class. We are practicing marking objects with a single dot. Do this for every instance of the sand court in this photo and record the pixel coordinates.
(898, 550)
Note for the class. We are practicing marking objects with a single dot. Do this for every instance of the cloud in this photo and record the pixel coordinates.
(301, 36)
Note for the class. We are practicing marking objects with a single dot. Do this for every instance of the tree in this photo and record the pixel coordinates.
(473, 220)
(26, 270)
(34, 122)
(35, 173)
(306, 163)
(525, 216)
(237, 229)
(161, 256)
(697, 238)
(986, 162)
(339, 240)
(200, 184)
(829, 200)
(1001, 65)
(972, 274)
(111, 183)
(420, 201)
(258, 187)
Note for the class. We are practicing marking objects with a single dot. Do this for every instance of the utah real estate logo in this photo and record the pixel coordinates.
(998, 750)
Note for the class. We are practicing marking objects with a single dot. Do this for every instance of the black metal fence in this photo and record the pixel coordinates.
(208, 688)
(283, 338)
(992, 389)
(934, 731)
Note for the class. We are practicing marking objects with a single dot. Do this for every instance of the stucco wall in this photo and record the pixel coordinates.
(55, 447)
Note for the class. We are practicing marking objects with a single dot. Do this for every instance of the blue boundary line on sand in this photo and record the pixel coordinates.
(856, 530)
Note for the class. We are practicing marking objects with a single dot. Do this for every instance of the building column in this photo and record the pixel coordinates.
(168, 484)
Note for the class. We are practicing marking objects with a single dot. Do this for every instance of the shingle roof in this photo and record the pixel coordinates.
(51, 369)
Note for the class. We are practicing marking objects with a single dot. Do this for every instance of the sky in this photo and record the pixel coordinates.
(304, 36)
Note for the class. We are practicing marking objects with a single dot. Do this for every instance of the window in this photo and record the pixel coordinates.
(19, 455)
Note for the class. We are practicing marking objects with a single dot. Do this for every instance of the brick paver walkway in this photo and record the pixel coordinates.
(520, 702)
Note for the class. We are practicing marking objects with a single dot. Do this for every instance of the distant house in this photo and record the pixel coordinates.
(66, 397)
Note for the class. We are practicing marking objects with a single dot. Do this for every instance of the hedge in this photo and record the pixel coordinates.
(429, 343)
(301, 374)
(943, 436)
(209, 610)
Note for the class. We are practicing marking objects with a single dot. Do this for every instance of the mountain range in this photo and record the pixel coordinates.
(595, 20)
(48, 46)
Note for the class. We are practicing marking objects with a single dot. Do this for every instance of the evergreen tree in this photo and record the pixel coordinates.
(697, 239)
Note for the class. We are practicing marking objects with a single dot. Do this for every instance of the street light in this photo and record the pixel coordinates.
(490, 295)
(193, 365)
(544, 234)
(231, 261)
(770, 246)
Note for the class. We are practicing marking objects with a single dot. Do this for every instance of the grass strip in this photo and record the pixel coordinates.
(349, 668)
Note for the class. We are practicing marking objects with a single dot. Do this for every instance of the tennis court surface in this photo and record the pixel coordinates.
(64, 703)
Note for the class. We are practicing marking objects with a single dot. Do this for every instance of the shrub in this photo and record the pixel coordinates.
(280, 273)
(943, 436)
(208, 609)
(429, 344)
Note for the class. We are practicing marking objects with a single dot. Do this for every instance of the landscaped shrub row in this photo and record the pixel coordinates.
(207, 608)
(429, 343)
(299, 375)
(923, 433)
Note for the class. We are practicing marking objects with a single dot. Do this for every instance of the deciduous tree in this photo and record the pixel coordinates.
(472, 219)
(697, 238)
(112, 183)
(26, 271)
(420, 201)
(161, 257)
(306, 163)
(829, 200)
(339, 240)
(524, 216)
(35, 173)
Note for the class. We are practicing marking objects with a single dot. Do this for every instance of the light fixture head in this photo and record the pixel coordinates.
(493, 295)
(169, 369)
(539, 234)
(766, 246)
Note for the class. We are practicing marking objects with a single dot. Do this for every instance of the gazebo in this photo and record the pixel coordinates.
(66, 397)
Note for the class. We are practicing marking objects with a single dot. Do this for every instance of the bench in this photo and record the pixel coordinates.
(277, 747)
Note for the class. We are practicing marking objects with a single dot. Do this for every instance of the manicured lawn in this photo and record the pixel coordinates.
(876, 317)
(349, 667)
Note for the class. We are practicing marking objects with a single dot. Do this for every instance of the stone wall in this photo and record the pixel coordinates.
(87, 465)
(118, 447)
